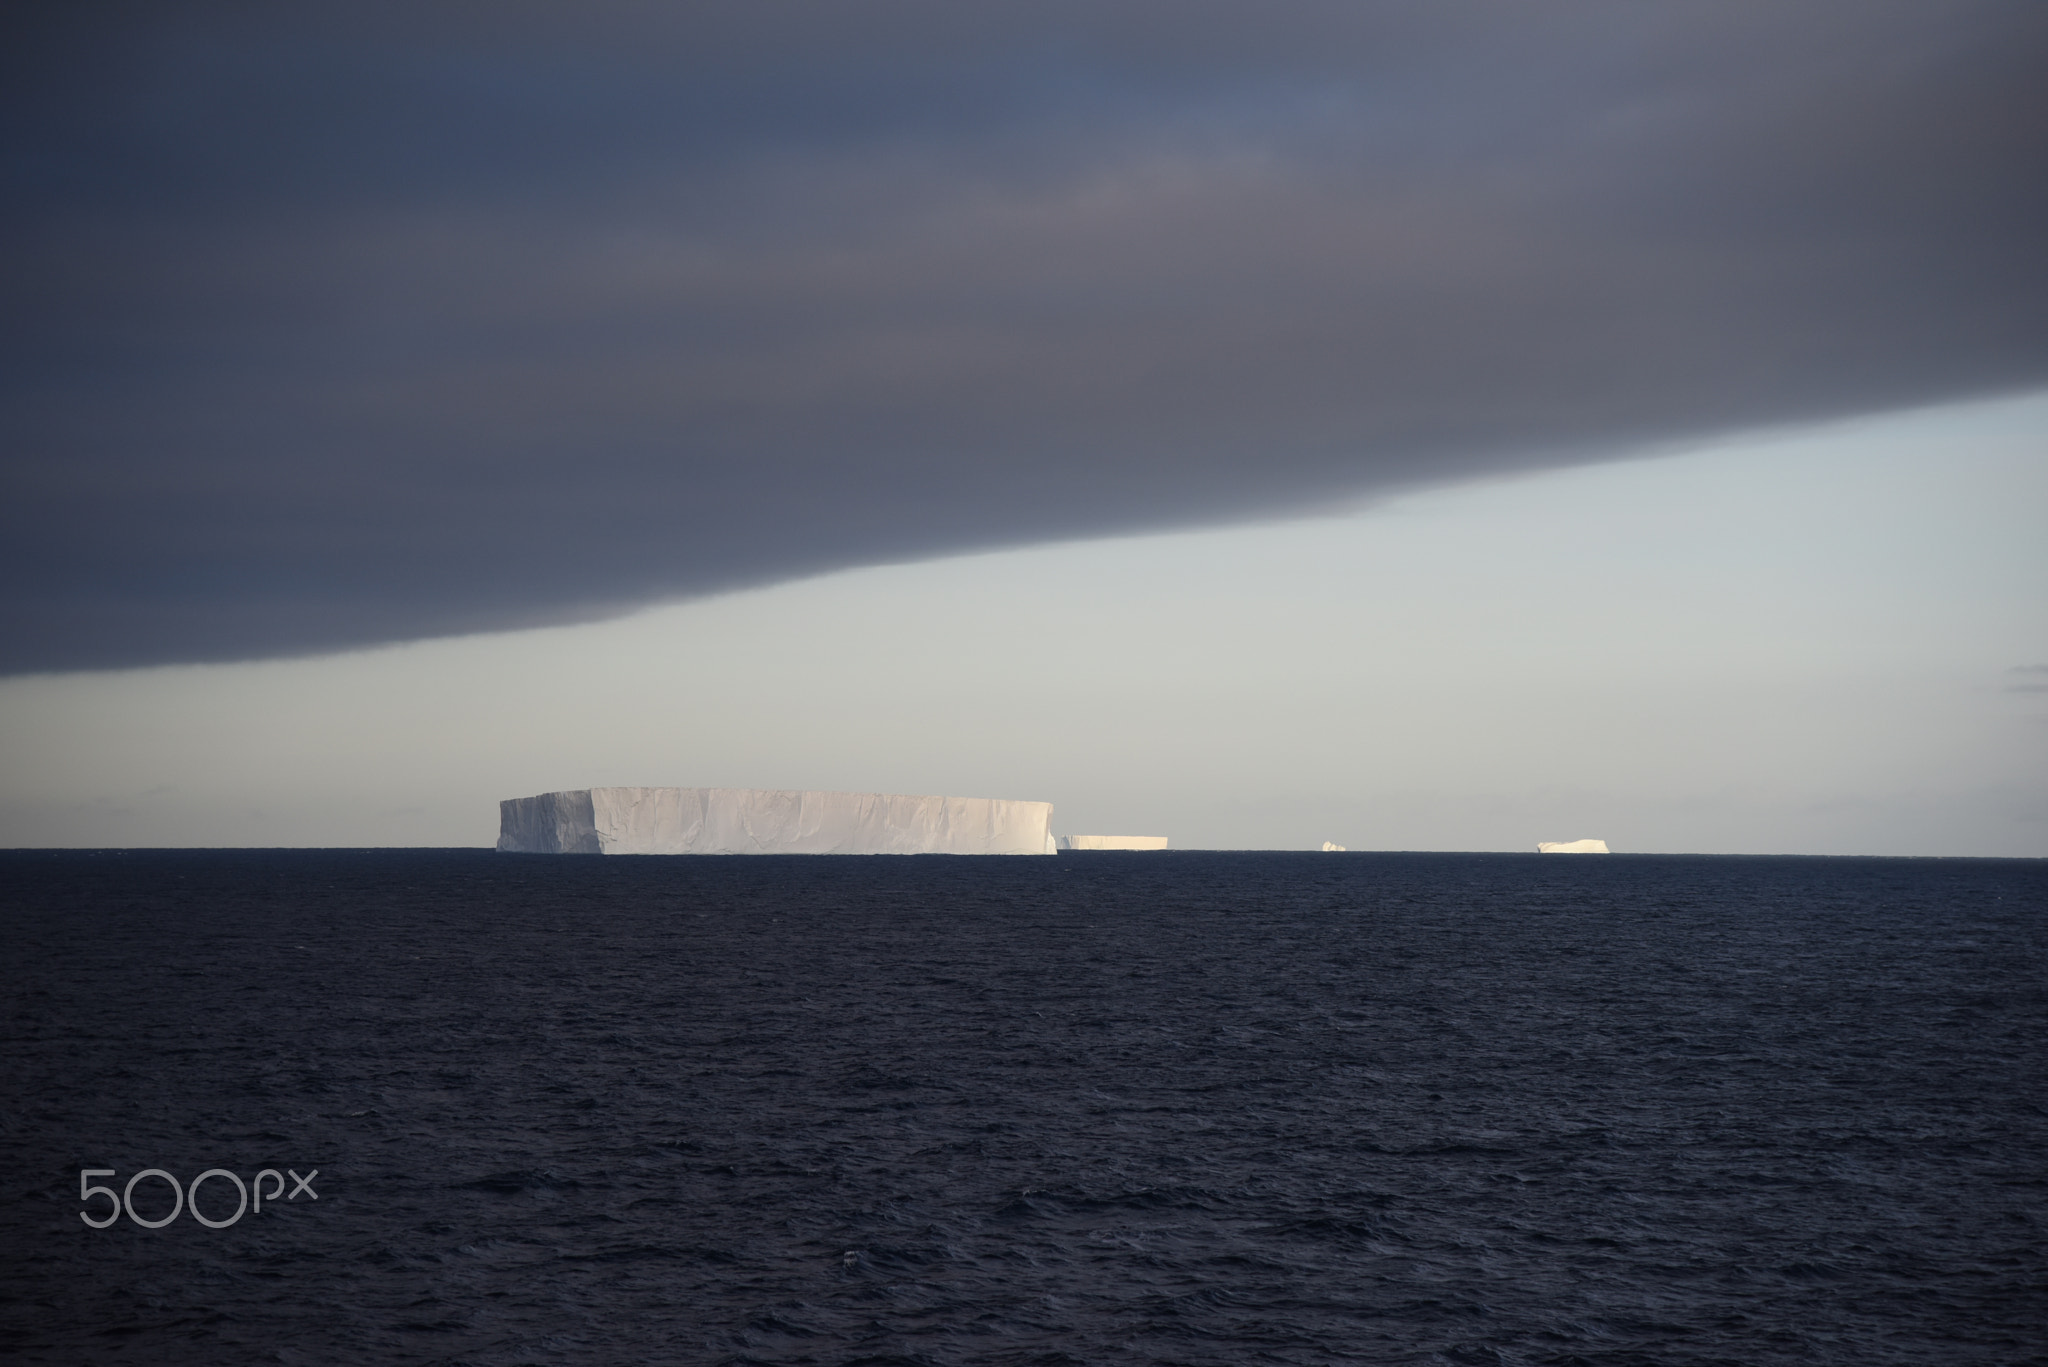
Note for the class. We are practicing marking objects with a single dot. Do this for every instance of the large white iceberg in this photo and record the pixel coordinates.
(1571, 847)
(768, 821)
(1112, 842)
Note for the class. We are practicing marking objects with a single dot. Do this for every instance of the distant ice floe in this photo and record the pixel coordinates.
(1332, 847)
(769, 821)
(1572, 847)
(1111, 842)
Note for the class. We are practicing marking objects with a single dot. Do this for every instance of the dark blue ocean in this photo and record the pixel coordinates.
(1185, 1108)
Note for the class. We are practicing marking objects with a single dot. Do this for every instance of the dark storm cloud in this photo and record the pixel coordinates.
(345, 325)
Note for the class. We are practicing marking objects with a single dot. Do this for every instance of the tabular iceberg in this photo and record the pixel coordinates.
(1571, 847)
(768, 821)
(1112, 842)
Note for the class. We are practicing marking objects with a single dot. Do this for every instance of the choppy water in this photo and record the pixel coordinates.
(1179, 1108)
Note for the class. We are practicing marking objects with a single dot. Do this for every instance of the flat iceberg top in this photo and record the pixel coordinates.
(1112, 842)
(768, 821)
(1572, 847)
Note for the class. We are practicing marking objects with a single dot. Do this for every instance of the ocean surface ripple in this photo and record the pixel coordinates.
(1185, 1108)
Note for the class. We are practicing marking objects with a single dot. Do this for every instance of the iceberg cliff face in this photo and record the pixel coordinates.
(553, 823)
(1112, 842)
(1571, 847)
(768, 821)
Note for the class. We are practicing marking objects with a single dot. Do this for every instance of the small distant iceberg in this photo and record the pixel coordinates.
(1572, 847)
(1110, 842)
(1332, 847)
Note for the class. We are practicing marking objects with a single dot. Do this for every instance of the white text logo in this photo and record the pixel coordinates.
(181, 1197)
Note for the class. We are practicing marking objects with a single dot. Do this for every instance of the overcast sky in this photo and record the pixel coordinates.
(1826, 641)
(338, 328)
(330, 325)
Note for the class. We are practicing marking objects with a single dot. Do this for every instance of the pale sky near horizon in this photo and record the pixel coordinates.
(1829, 641)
